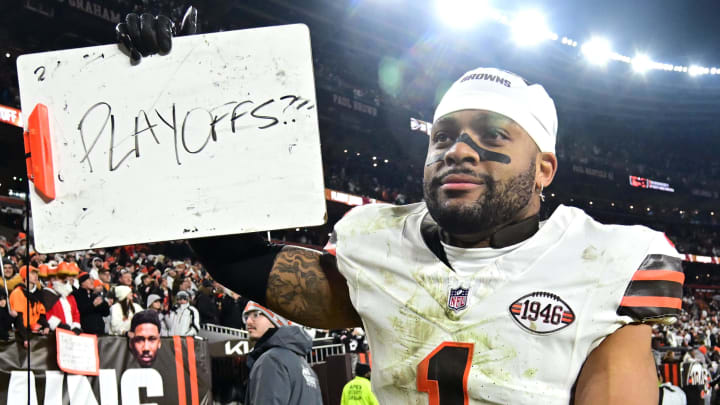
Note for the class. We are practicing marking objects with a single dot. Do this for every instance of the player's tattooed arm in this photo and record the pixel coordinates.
(306, 286)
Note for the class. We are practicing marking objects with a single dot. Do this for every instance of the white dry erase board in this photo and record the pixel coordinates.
(218, 137)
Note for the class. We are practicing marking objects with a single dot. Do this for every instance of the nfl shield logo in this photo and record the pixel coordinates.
(458, 298)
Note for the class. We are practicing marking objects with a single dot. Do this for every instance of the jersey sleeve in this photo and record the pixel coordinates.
(330, 245)
(654, 294)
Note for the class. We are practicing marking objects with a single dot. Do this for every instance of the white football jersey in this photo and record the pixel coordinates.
(442, 337)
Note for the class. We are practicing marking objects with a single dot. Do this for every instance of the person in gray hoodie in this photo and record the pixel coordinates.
(279, 373)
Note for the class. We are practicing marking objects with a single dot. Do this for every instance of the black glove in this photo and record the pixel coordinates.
(63, 326)
(146, 34)
(77, 331)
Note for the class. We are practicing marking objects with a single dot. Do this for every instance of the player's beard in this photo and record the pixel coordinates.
(498, 206)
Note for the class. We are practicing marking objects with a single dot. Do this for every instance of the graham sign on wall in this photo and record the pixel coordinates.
(179, 373)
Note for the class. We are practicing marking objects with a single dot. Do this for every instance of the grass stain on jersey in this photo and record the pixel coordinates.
(530, 373)
(430, 279)
(363, 226)
(490, 356)
(591, 254)
(388, 277)
(416, 330)
(416, 333)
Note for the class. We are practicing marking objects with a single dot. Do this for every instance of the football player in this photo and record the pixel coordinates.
(467, 298)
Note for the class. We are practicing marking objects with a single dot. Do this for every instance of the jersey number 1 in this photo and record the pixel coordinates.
(443, 374)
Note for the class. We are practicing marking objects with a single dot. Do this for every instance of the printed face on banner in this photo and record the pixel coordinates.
(179, 373)
(144, 343)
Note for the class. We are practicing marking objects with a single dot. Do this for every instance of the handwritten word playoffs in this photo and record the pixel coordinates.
(237, 115)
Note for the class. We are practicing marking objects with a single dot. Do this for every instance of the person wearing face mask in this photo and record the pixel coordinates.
(64, 313)
(184, 319)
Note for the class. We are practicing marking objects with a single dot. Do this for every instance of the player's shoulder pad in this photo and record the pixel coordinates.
(377, 212)
(655, 290)
(367, 218)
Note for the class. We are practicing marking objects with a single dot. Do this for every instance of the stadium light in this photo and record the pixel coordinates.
(597, 50)
(695, 70)
(641, 63)
(462, 14)
(529, 28)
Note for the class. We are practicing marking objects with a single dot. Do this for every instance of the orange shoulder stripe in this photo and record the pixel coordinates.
(660, 275)
(640, 301)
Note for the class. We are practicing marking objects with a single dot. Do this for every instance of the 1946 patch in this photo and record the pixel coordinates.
(542, 312)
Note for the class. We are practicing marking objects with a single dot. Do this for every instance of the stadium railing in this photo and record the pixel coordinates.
(320, 353)
(215, 333)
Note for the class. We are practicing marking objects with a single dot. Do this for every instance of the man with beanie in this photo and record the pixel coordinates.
(91, 306)
(473, 274)
(357, 391)
(526, 311)
(34, 321)
(279, 373)
(10, 278)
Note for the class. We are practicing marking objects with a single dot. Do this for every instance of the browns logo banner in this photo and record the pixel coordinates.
(177, 373)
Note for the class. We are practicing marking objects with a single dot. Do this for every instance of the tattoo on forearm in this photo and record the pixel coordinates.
(298, 285)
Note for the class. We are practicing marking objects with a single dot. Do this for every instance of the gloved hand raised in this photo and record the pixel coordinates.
(146, 34)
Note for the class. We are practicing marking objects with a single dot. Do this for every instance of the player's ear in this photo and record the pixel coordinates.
(130, 334)
(546, 167)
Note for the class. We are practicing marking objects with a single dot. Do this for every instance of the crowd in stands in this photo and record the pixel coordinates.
(691, 346)
(99, 291)
(629, 154)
